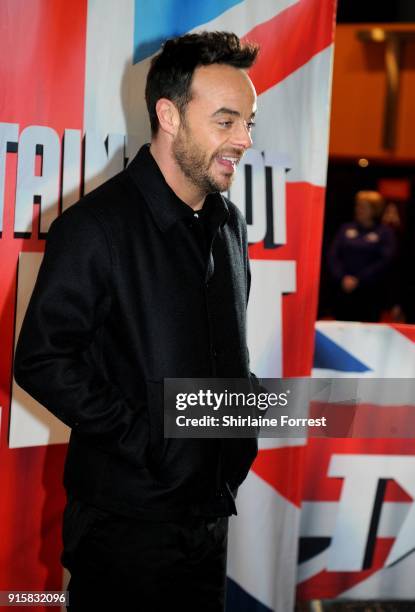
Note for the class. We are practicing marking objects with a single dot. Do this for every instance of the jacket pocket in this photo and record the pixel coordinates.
(180, 464)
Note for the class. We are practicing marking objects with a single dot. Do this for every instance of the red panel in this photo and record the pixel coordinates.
(282, 469)
(290, 39)
(42, 59)
(406, 330)
(305, 208)
(395, 188)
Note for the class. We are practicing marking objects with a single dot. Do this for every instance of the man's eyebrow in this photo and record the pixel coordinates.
(226, 111)
(229, 111)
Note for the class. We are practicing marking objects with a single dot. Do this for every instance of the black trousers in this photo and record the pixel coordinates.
(124, 564)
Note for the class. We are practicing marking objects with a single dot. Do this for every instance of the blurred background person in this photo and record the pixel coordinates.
(394, 288)
(360, 260)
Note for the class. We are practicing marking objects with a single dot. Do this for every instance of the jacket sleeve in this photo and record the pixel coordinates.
(373, 273)
(334, 261)
(70, 301)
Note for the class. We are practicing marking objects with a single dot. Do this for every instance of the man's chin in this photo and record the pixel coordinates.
(224, 182)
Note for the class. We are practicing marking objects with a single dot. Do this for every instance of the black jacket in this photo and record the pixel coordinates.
(124, 298)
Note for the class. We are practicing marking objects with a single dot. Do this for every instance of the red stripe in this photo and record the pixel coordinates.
(362, 420)
(42, 57)
(42, 66)
(406, 330)
(290, 39)
(305, 207)
(282, 468)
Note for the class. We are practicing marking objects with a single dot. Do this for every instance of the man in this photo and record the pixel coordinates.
(360, 260)
(145, 278)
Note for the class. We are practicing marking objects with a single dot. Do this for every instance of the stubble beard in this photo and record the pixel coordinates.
(195, 165)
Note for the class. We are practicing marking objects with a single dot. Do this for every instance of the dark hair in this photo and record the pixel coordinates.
(171, 71)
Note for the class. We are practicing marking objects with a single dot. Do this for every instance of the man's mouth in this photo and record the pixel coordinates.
(228, 161)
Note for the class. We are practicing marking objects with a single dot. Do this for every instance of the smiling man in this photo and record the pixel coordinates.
(143, 279)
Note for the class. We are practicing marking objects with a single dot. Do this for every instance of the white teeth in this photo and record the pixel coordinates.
(231, 159)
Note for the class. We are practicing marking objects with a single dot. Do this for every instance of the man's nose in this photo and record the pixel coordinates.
(242, 136)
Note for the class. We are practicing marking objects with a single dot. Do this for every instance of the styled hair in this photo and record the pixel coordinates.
(171, 71)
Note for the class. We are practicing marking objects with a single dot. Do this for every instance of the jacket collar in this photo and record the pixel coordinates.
(164, 205)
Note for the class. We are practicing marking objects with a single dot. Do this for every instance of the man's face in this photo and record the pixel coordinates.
(216, 128)
(363, 212)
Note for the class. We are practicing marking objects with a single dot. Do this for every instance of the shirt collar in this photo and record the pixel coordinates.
(164, 205)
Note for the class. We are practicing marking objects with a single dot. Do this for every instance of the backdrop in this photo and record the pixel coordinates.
(72, 114)
(357, 518)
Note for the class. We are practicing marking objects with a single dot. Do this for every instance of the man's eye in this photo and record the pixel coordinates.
(250, 125)
(225, 123)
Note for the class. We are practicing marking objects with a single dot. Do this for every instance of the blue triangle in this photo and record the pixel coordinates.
(330, 356)
(238, 600)
(157, 20)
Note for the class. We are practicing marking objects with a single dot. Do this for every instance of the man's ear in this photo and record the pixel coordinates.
(168, 116)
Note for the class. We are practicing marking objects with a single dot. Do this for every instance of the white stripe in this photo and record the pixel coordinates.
(271, 279)
(30, 423)
(245, 16)
(318, 519)
(109, 70)
(312, 567)
(263, 544)
(293, 119)
(395, 582)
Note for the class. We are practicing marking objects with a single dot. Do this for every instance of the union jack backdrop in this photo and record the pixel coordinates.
(357, 517)
(72, 114)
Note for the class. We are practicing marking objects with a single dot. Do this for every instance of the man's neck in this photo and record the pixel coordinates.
(174, 177)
